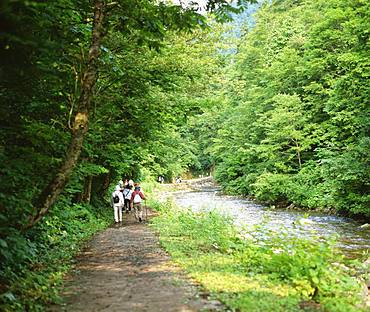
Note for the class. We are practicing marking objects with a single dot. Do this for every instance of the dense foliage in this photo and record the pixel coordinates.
(297, 121)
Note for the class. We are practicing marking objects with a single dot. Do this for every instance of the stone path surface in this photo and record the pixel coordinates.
(124, 269)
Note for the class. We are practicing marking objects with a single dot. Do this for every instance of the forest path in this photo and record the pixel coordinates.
(124, 269)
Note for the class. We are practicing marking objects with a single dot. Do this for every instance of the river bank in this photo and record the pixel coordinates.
(353, 239)
(260, 269)
(208, 183)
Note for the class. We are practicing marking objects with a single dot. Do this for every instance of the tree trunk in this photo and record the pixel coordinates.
(107, 180)
(86, 195)
(50, 194)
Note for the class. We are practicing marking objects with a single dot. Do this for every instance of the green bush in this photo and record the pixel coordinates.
(272, 187)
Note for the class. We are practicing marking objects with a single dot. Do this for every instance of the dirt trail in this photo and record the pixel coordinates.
(124, 269)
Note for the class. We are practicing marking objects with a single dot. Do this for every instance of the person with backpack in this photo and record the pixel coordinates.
(160, 179)
(118, 201)
(127, 193)
(120, 183)
(136, 199)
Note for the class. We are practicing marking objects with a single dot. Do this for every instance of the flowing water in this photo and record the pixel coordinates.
(352, 239)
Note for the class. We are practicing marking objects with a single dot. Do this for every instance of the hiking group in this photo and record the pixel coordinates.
(127, 196)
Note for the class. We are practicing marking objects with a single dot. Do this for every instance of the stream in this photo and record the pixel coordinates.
(352, 240)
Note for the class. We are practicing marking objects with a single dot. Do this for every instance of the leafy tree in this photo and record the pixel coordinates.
(297, 128)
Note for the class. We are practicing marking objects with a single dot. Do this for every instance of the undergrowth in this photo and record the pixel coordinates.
(257, 269)
(33, 265)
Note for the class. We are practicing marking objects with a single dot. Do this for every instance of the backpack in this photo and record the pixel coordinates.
(137, 198)
(127, 194)
(116, 199)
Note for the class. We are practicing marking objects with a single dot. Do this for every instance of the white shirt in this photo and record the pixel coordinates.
(120, 196)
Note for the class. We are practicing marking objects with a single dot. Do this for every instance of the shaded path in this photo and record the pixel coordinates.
(124, 269)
